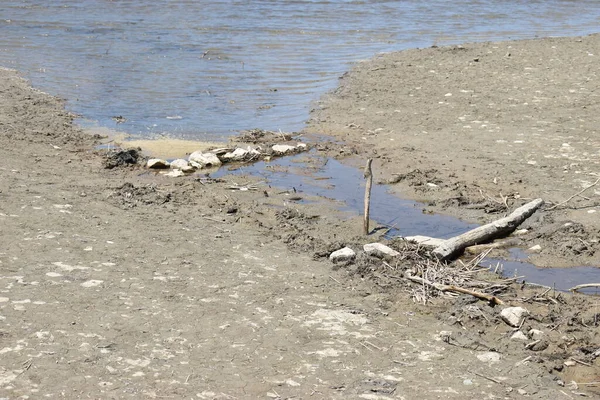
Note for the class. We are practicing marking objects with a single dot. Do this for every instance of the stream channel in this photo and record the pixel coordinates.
(338, 182)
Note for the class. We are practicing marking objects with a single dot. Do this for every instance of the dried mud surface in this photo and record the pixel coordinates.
(122, 283)
(478, 129)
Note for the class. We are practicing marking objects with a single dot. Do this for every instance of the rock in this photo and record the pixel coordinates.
(283, 148)
(520, 232)
(536, 334)
(490, 356)
(518, 335)
(182, 165)
(204, 160)
(378, 249)
(513, 316)
(341, 255)
(535, 249)
(240, 154)
(445, 336)
(301, 146)
(175, 173)
(157, 163)
(538, 345)
(235, 155)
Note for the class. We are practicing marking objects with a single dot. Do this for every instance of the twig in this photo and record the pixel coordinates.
(584, 286)
(575, 195)
(581, 362)
(455, 289)
(368, 175)
(487, 377)
(335, 279)
(371, 344)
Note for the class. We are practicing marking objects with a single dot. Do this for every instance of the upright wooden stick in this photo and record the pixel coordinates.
(368, 175)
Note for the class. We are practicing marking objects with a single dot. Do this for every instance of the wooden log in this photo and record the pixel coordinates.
(499, 228)
(368, 174)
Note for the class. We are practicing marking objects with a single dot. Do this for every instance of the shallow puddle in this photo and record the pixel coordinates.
(312, 175)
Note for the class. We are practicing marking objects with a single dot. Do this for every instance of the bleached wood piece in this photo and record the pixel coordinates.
(368, 174)
(493, 230)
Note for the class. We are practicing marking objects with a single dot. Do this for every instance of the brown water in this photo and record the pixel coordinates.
(205, 69)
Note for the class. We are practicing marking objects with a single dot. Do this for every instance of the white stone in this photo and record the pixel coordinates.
(157, 163)
(520, 232)
(378, 248)
(518, 335)
(91, 283)
(535, 249)
(301, 146)
(344, 254)
(513, 316)
(182, 165)
(202, 160)
(536, 334)
(175, 173)
(238, 154)
(283, 148)
(490, 356)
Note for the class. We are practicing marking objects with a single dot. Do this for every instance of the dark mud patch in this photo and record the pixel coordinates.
(123, 158)
(128, 196)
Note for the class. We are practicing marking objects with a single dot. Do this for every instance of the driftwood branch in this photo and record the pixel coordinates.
(584, 286)
(369, 177)
(452, 288)
(499, 228)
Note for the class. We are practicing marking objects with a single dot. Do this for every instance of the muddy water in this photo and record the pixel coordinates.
(204, 69)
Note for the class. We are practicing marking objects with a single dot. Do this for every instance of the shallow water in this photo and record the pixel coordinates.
(330, 179)
(205, 69)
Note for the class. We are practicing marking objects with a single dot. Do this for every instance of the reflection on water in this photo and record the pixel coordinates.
(217, 66)
(330, 179)
(561, 279)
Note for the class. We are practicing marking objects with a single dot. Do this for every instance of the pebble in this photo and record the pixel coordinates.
(518, 335)
(341, 255)
(182, 165)
(513, 316)
(201, 160)
(283, 148)
(157, 163)
(490, 356)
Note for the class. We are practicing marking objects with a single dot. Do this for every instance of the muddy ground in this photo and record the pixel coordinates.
(472, 129)
(123, 283)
